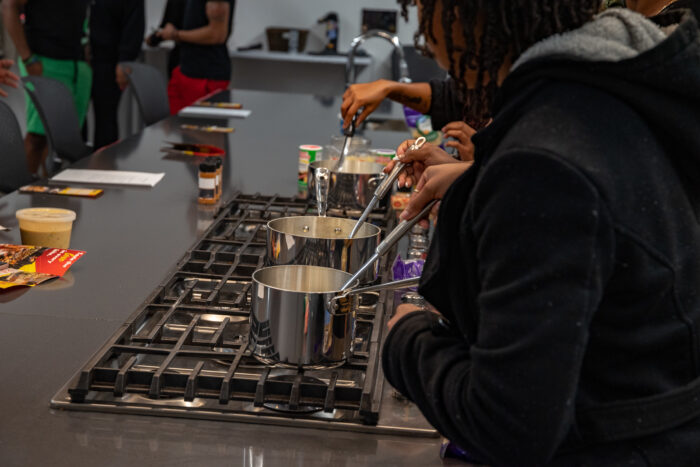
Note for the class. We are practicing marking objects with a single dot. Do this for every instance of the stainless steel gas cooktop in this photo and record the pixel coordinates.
(183, 352)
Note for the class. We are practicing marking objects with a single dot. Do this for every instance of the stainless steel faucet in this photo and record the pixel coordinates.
(350, 72)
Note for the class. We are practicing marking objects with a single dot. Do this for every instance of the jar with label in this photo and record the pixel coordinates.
(308, 153)
(383, 156)
(207, 183)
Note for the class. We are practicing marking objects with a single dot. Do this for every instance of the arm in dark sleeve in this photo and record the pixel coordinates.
(446, 104)
(544, 247)
(133, 25)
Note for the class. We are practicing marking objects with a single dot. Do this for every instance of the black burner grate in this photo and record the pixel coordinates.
(186, 345)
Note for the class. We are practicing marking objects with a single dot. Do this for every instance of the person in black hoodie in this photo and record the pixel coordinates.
(566, 260)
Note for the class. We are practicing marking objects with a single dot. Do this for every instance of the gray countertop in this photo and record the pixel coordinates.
(132, 237)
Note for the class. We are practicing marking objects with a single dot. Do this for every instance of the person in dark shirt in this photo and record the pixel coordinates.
(116, 31)
(49, 44)
(174, 14)
(205, 65)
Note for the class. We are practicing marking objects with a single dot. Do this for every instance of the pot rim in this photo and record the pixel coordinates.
(377, 231)
(330, 164)
(295, 266)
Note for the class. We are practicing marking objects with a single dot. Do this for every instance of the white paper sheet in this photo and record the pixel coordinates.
(216, 112)
(3, 228)
(108, 177)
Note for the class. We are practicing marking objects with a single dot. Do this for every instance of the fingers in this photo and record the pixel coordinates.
(3, 93)
(460, 127)
(421, 154)
(365, 113)
(458, 135)
(6, 63)
(401, 150)
(418, 201)
(11, 79)
(352, 110)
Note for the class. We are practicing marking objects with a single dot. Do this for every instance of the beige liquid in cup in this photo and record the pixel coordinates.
(55, 239)
(47, 227)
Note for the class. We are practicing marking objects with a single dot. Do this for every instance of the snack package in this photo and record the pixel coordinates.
(405, 269)
(23, 265)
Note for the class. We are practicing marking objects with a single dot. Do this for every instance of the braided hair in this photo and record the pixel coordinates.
(509, 27)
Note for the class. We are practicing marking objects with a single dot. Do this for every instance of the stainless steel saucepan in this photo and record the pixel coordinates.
(305, 315)
(322, 241)
(353, 188)
(302, 317)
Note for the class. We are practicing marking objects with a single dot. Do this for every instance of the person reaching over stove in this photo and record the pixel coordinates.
(205, 64)
(440, 98)
(564, 267)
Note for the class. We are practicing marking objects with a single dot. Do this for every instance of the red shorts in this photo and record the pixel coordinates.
(183, 90)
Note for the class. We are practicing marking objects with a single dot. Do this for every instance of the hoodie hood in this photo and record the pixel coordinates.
(616, 34)
(630, 57)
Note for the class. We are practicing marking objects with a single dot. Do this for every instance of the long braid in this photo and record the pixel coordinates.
(509, 28)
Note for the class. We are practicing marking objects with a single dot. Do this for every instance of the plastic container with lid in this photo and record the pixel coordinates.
(48, 227)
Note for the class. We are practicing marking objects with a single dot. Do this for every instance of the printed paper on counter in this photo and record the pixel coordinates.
(108, 177)
(215, 112)
(30, 265)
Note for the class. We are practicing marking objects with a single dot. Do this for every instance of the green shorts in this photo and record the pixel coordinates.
(77, 75)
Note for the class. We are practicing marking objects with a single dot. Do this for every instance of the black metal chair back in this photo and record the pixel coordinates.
(13, 160)
(150, 89)
(54, 102)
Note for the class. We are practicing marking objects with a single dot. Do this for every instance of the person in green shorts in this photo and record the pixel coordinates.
(49, 44)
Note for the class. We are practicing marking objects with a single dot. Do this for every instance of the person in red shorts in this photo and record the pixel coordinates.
(205, 65)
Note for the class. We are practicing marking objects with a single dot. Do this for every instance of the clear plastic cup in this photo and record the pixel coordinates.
(49, 227)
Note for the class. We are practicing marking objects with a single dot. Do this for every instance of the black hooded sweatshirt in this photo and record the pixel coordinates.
(566, 264)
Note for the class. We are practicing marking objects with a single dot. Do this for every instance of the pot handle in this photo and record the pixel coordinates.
(390, 240)
(341, 305)
(323, 178)
(374, 182)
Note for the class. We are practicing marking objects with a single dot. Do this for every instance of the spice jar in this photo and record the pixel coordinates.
(219, 178)
(207, 183)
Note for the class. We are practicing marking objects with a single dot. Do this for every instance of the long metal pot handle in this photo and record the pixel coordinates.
(335, 303)
(390, 240)
(385, 186)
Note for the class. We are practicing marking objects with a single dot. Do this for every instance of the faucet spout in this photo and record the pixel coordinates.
(351, 73)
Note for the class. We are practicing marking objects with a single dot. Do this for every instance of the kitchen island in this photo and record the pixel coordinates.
(132, 238)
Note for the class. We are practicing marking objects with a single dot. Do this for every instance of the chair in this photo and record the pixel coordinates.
(151, 91)
(13, 160)
(56, 108)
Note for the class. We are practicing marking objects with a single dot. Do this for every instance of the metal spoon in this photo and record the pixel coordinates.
(385, 186)
(349, 134)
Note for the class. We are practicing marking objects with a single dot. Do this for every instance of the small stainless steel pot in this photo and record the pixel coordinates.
(353, 188)
(322, 241)
(301, 316)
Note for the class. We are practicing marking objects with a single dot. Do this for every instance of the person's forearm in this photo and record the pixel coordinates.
(11, 22)
(414, 95)
(207, 35)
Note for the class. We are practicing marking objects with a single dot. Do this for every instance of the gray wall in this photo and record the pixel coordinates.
(253, 16)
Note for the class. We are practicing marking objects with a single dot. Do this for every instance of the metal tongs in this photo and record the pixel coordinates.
(323, 180)
(349, 134)
(390, 240)
(385, 186)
